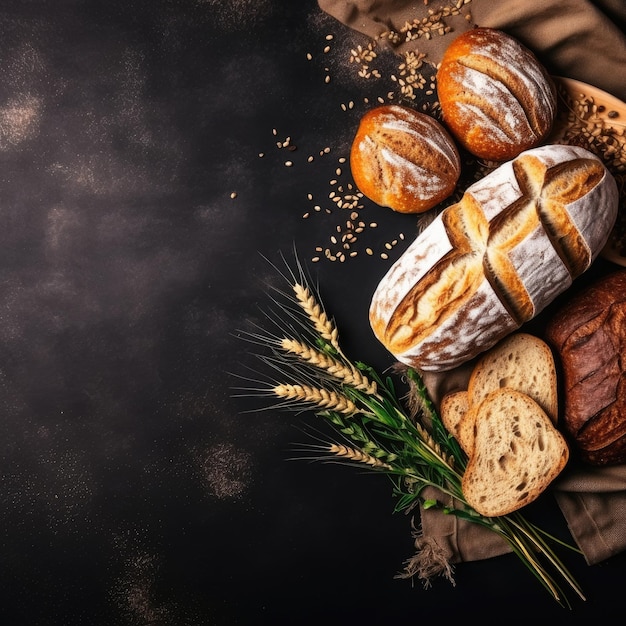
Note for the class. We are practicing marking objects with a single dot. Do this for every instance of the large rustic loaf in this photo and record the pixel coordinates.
(495, 96)
(517, 453)
(588, 333)
(404, 159)
(489, 263)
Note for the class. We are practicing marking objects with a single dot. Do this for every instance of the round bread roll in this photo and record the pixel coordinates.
(588, 334)
(496, 98)
(403, 159)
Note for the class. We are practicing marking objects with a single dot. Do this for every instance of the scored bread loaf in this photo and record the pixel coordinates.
(496, 97)
(491, 262)
(404, 159)
(588, 333)
(517, 453)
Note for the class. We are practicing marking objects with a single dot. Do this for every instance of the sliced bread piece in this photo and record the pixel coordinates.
(454, 405)
(522, 362)
(517, 453)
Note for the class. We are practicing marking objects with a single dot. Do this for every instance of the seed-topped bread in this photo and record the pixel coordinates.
(517, 453)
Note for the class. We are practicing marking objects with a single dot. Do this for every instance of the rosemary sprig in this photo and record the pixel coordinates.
(411, 447)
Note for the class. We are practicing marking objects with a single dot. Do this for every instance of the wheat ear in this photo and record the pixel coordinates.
(323, 398)
(357, 455)
(323, 325)
(349, 374)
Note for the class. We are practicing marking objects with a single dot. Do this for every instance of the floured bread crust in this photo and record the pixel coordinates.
(403, 159)
(495, 96)
(494, 260)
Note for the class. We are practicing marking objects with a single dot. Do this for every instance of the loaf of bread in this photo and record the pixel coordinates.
(496, 97)
(517, 453)
(403, 159)
(588, 334)
(489, 263)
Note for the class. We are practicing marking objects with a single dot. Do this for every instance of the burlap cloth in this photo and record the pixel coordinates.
(578, 39)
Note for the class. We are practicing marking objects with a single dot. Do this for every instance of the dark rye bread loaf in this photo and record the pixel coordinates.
(588, 334)
(492, 261)
(403, 159)
(496, 98)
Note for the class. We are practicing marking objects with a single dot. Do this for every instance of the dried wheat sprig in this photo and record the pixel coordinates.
(354, 454)
(318, 396)
(412, 455)
(322, 323)
(348, 374)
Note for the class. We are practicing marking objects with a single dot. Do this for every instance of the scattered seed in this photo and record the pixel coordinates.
(288, 163)
(233, 194)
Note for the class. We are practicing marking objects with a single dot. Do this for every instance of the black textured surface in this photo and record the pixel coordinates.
(134, 489)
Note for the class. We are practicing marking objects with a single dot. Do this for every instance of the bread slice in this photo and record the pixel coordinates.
(454, 405)
(522, 362)
(517, 453)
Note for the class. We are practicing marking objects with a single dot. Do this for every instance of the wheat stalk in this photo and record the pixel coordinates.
(349, 375)
(323, 398)
(364, 409)
(309, 304)
(353, 454)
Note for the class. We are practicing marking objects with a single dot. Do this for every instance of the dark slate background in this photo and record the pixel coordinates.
(135, 488)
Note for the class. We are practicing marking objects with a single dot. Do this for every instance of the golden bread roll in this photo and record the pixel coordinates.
(491, 262)
(496, 98)
(403, 159)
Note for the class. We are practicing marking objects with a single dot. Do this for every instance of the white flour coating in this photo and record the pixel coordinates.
(422, 183)
(507, 105)
(484, 320)
(426, 133)
(518, 62)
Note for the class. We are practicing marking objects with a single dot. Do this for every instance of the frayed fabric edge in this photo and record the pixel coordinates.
(428, 562)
